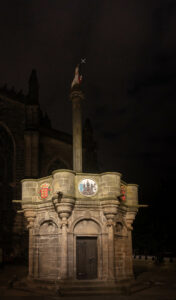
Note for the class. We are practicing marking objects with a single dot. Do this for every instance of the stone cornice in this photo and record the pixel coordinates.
(63, 170)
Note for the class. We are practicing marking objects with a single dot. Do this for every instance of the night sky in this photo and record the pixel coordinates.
(129, 81)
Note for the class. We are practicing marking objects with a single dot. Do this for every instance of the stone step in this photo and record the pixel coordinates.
(91, 291)
(73, 287)
(90, 287)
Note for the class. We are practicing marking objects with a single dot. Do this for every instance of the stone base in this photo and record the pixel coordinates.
(75, 287)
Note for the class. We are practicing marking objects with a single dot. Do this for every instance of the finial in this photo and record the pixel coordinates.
(78, 78)
(78, 74)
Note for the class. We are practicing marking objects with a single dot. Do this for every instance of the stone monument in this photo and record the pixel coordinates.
(80, 224)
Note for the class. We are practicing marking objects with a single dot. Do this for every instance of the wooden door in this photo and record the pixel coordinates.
(86, 257)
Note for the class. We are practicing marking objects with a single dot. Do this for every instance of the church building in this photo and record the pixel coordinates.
(29, 148)
(80, 224)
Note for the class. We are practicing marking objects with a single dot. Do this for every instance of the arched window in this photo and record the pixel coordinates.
(56, 165)
(6, 189)
(6, 168)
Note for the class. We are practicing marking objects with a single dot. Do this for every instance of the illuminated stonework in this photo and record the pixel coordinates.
(83, 230)
(88, 187)
(45, 190)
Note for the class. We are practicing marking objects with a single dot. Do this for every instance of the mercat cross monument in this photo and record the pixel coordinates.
(80, 224)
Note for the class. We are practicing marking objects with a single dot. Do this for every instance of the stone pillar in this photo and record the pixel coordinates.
(30, 254)
(76, 97)
(109, 192)
(30, 216)
(130, 216)
(131, 194)
(64, 262)
(129, 256)
(63, 201)
(36, 258)
(111, 266)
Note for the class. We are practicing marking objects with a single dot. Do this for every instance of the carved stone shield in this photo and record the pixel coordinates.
(44, 190)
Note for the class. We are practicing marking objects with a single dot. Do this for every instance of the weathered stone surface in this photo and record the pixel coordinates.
(60, 221)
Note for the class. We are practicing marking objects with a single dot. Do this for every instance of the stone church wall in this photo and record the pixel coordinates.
(12, 120)
(28, 150)
(55, 155)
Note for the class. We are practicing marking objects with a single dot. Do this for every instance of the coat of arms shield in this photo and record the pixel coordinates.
(44, 190)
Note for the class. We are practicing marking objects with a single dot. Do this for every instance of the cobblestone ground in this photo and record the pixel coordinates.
(153, 282)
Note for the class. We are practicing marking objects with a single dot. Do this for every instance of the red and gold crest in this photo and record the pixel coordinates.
(44, 190)
(123, 192)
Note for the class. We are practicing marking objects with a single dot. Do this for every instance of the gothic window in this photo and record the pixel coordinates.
(56, 165)
(6, 168)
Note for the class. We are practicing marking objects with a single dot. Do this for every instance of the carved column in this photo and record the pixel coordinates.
(110, 190)
(30, 216)
(35, 154)
(130, 216)
(64, 208)
(110, 225)
(110, 210)
(64, 200)
(64, 255)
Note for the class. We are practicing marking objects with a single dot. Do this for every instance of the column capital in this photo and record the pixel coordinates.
(110, 222)
(64, 222)
(76, 93)
(129, 219)
(30, 216)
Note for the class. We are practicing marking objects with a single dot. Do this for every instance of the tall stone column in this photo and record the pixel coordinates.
(76, 97)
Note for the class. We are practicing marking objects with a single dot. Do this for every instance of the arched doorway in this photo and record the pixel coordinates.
(48, 250)
(87, 246)
(56, 164)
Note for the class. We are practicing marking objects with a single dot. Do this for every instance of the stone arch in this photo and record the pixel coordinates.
(48, 227)
(78, 220)
(47, 245)
(87, 241)
(87, 226)
(40, 221)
